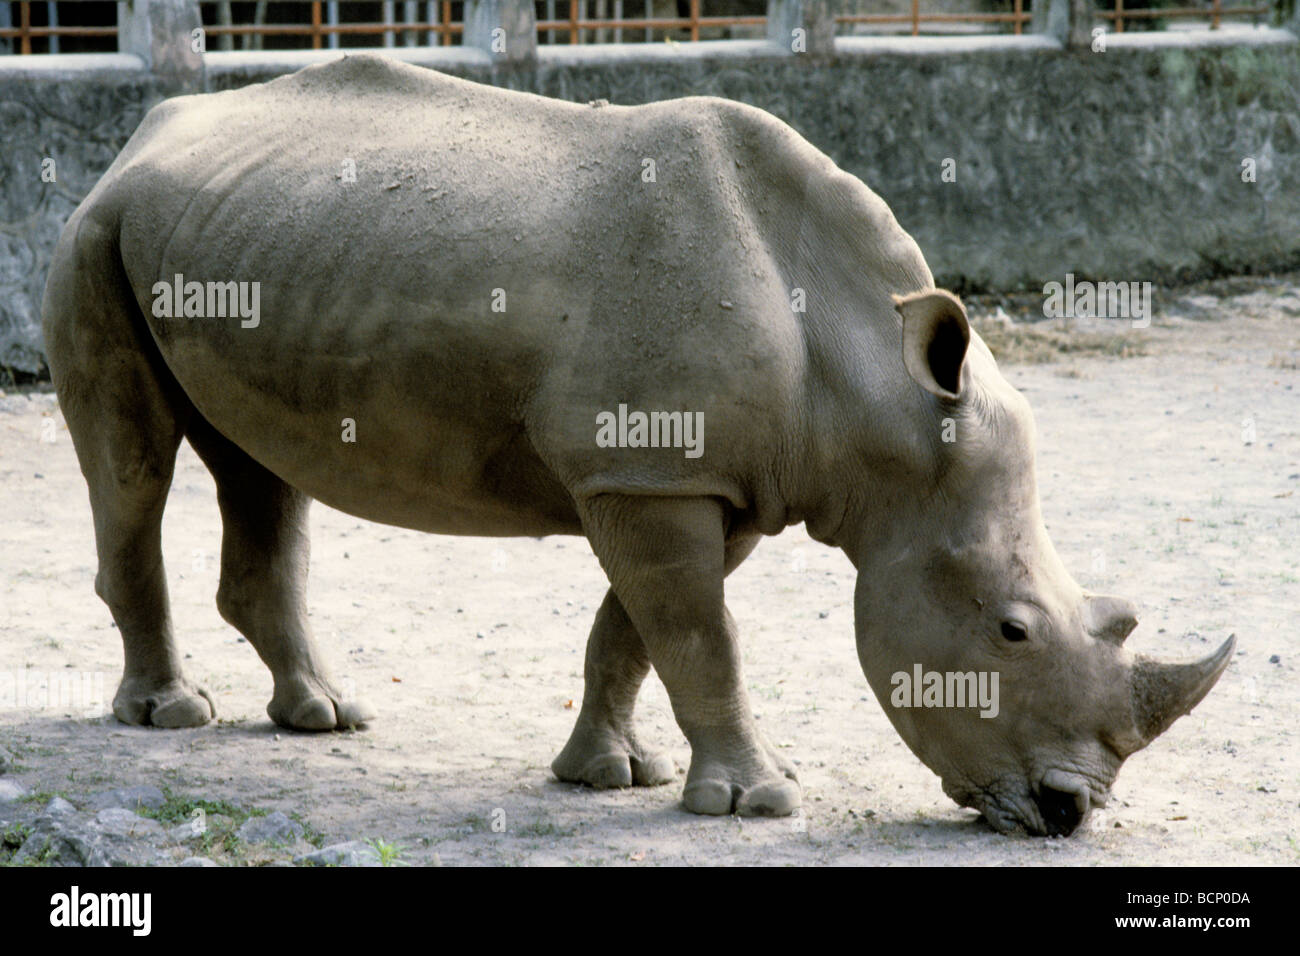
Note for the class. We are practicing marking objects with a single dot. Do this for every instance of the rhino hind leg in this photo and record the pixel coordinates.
(666, 560)
(603, 751)
(126, 415)
(264, 557)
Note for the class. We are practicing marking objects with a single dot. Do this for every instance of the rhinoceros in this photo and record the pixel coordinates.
(673, 328)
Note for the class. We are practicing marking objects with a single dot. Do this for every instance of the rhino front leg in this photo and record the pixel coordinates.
(264, 555)
(603, 750)
(666, 560)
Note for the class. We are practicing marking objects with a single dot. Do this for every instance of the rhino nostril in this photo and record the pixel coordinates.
(1060, 811)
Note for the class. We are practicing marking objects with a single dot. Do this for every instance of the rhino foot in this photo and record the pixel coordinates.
(316, 705)
(608, 761)
(775, 796)
(762, 788)
(145, 701)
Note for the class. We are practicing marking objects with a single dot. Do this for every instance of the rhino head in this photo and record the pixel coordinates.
(957, 576)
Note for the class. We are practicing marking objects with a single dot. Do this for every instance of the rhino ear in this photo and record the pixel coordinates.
(936, 334)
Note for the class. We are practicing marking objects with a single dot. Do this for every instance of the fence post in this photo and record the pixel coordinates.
(1081, 25)
(162, 34)
(1069, 21)
(802, 27)
(506, 30)
(1052, 18)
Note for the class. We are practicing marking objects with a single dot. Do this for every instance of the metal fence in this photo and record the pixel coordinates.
(405, 23)
(1214, 11)
(1016, 18)
(26, 25)
(46, 26)
(608, 22)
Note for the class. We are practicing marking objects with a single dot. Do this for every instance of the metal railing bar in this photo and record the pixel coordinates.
(306, 29)
(683, 23)
(324, 27)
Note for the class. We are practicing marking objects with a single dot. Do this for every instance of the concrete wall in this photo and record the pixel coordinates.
(1123, 164)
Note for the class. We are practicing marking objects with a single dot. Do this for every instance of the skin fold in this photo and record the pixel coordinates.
(470, 277)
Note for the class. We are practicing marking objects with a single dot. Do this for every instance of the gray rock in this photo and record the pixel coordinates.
(124, 823)
(128, 798)
(189, 830)
(7, 761)
(353, 853)
(274, 827)
(197, 861)
(64, 842)
(11, 790)
(54, 845)
(59, 807)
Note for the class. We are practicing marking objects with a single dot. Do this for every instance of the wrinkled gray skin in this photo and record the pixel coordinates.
(671, 292)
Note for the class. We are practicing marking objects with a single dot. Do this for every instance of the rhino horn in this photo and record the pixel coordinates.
(1163, 692)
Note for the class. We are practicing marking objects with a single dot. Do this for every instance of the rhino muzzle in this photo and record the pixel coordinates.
(1056, 802)
(1059, 810)
(1064, 800)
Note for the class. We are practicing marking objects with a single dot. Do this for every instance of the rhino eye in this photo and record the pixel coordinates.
(1014, 632)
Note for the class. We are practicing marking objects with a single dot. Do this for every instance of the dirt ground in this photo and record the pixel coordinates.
(1171, 477)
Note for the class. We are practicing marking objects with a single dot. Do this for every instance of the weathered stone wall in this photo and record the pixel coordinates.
(79, 112)
(1125, 164)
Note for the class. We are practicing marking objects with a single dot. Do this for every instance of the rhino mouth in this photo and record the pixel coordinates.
(1059, 810)
(1055, 805)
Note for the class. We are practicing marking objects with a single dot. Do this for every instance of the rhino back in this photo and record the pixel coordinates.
(503, 268)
